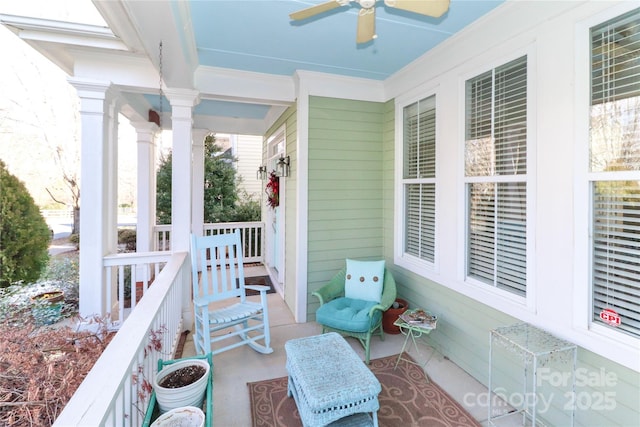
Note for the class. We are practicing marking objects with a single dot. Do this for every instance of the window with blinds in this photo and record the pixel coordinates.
(614, 171)
(419, 173)
(495, 176)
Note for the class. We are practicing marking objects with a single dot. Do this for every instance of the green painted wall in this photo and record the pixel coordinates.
(351, 214)
(345, 187)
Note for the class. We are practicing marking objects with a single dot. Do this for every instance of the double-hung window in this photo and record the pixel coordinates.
(418, 178)
(614, 173)
(496, 177)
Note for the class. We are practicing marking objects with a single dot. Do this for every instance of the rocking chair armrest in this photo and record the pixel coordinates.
(257, 288)
(201, 302)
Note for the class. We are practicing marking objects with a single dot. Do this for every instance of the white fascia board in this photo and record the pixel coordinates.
(120, 69)
(66, 33)
(116, 15)
(344, 87)
(230, 125)
(72, 39)
(244, 86)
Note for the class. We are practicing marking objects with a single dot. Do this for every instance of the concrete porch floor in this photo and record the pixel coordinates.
(233, 369)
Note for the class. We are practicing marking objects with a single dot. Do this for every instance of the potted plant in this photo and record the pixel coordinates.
(398, 307)
(183, 416)
(181, 383)
(47, 306)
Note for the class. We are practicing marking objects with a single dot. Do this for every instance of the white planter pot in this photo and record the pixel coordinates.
(190, 395)
(188, 416)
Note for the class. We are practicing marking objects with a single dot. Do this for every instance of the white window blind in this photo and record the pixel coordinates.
(419, 172)
(495, 175)
(614, 165)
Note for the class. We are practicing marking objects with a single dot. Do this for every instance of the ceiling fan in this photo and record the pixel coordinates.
(367, 14)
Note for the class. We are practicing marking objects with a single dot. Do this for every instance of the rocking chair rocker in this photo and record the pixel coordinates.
(219, 297)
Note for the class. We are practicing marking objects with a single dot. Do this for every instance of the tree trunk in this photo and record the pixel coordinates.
(76, 221)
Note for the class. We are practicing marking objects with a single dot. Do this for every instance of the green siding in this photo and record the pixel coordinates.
(345, 187)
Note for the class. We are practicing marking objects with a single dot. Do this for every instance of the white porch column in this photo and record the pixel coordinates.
(146, 191)
(197, 191)
(98, 213)
(182, 103)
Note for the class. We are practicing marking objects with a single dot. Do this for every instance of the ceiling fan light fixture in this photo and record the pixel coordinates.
(367, 4)
(366, 29)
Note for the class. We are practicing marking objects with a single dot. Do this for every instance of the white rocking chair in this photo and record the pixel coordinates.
(219, 261)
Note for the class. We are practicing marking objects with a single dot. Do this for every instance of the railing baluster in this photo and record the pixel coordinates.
(252, 236)
(121, 296)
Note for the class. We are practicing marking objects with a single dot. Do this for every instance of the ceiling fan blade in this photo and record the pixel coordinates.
(366, 25)
(435, 8)
(314, 10)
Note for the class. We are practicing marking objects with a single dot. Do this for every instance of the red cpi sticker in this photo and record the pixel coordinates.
(610, 317)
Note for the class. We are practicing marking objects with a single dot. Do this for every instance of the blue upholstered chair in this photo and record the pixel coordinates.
(354, 317)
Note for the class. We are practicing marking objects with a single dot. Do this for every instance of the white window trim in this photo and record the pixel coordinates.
(492, 296)
(605, 341)
(402, 259)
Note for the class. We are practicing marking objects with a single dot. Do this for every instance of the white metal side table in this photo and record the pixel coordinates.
(414, 332)
(535, 348)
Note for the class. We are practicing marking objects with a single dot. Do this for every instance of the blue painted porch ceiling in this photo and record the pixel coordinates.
(258, 36)
(210, 107)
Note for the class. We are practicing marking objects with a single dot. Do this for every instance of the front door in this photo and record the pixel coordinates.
(275, 228)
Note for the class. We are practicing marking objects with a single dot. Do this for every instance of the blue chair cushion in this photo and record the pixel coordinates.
(347, 314)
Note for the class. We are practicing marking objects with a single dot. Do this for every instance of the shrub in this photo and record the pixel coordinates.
(247, 209)
(75, 239)
(127, 237)
(24, 234)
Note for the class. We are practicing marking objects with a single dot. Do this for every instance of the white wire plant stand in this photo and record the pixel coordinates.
(534, 349)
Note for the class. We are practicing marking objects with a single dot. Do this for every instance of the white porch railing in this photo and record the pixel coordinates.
(251, 233)
(114, 393)
(129, 276)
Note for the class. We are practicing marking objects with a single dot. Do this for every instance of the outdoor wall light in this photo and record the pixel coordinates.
(282, 167)
(261, 173)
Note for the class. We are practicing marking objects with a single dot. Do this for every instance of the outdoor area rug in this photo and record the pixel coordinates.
(407, 399)
(259, 280)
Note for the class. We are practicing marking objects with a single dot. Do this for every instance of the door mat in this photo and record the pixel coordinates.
(259, 280)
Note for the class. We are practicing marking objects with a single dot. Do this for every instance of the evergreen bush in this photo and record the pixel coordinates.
(127, 237)
(24, 234)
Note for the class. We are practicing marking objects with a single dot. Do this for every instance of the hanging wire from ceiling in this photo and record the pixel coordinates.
(161, 94)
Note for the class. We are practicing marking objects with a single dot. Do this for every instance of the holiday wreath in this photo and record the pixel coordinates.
(273, 190)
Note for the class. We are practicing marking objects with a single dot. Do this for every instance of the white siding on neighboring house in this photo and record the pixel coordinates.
(248, 150)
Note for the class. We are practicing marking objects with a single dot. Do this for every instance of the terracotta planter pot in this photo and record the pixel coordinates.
(51, 297)
(391, 315)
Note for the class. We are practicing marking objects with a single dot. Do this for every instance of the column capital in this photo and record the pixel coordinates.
(95, 95)
(142, 126)
(198, 135)
(182, 97)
